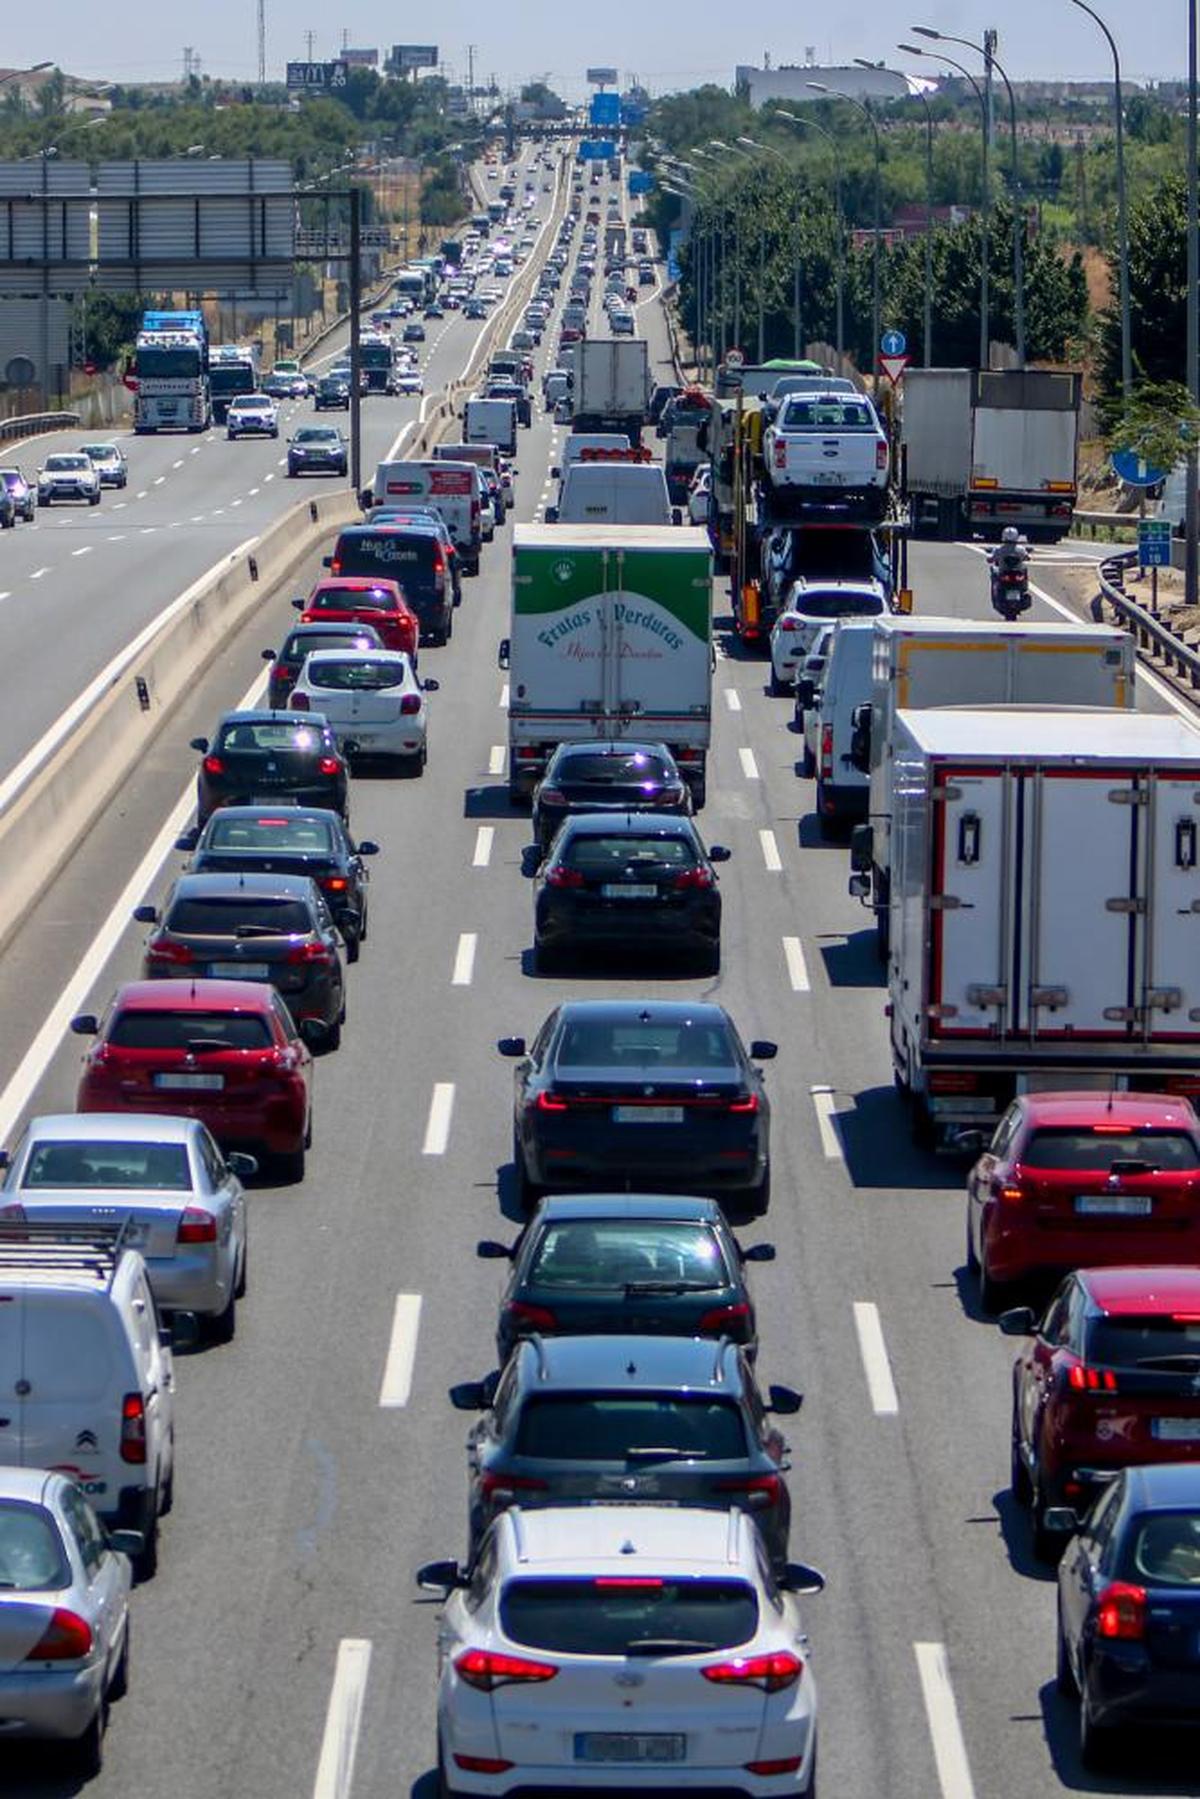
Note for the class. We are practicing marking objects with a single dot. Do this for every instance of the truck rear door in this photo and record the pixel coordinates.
(1171, 995)
(970, 903)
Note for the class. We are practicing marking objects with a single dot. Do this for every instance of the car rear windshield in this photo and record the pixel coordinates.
(270, 832)
(618, 1427)
(397, 554)
(617, 855)
(1163, 1550)
(354, 677)
(611, 771)
(239, 914)
(302, 740)
(1133, 1341)
(346, 599)
(838, 605)
(101, 1164)
(627, 1614)
(807, 414)
(688, 1043)
(31, 1551)
(187, 1030)
(628, 1253)
(1096, 1150)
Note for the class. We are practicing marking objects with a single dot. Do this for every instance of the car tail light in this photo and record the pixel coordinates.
(1009, 1193)
(558, 875)
(309, 952)
(410, 705)
(724, 1320)
(133, 1428)
(826, 752)
(196, 1226)
(789, 623)
(487, 1669)
(532, 1318)
(674, 790)
(329, 765)
(748, 1103)
(299, 702)
(782, 1764)
(553, 794)
(772, 1672)
(335, 567)
(760, 1491)
(213, 765)
(881, 455)
(333, 884)
(1122, 1613)
(953, 1081)
(286, 671)
(692, 878)
(550, 1102)
(66, 1638)
(165, 949)
(780, 453)
(482, 1764)
(1082, 1379)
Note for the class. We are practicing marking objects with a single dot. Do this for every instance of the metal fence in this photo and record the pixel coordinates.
(1153, 637)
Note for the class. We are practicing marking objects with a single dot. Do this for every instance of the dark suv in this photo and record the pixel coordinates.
(663, 1420)
(253, 758)
(411, 554)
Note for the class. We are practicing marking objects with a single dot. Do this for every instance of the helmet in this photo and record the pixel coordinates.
(1010, 534)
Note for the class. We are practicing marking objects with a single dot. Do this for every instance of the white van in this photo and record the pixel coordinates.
(452, 488)
(88, 1377)
(488, 420)
(829, 695)
(613, 493)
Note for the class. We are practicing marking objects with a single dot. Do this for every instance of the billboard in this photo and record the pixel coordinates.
(321, 77)
(602, 77)
(414, 56)
(605, 111)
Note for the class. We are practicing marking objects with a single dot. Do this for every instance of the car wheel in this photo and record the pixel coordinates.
(93, 499)
(290, 1165)
(221, 1327)
(808, 765)
(243, 1272)
(119, 1684)
(708, 962)
(145, 1565)
(88, 1751)
(758, 1198)
(547, 959)
(334, 1039)
(992, 1293)
(417, 763)
(528, 1192)
(1095, 1743)
(9, 521)
(1018, 1473)
(444, 1789)
(352, 941)
(775, 687)
(1064, 1677)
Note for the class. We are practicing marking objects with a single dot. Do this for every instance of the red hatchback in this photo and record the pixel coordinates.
(350, 599)
(1080, 1180)
(226, 1052)
(1110, 1378)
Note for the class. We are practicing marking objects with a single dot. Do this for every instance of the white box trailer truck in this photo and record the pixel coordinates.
(612, 385)
(1045, 927)
(919, 662)
(611, 637)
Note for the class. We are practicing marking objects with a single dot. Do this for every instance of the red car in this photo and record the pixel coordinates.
(352, 599)
(226, 1052)
(1083, 1180)
(1110, 1378)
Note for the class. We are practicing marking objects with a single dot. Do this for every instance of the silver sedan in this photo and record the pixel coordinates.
(64, 1613)
(182, 1199)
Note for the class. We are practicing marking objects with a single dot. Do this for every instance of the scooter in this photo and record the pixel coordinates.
(1010, 592)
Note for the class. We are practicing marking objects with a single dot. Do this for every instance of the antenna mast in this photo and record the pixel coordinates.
(262, 43)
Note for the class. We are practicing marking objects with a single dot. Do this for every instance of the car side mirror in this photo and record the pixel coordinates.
(145, 915)
(556, 474)
(327, 562)
(511, 1046)
(1018, 1321)
(86, 1025)
(431, 686)
(862, 848)
(718, 853)
(470, 1396)
(488, 1250)
(806, 692)
(314, 1032)
(5, 1158)
(1061, 1520)
(268, 655)
(798, 1577)
(440, 1577)
(241, 1164)
(859, 887)
(366, 500)
(126, 1542)
(551, 515)
(763, 1050)
(187, 840)
(785, 1402)
(367, 848)
(298, 604)
(200, 745)
(759, 1252)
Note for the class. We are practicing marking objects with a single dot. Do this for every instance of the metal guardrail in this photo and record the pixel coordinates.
(32, 424)
(1150, 634)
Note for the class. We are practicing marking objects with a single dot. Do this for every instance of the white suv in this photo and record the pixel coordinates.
(599, 1646)
(811, 603)
(825, 455)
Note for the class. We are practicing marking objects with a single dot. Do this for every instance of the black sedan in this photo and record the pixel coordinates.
(317, 450)
(299, 840)
(607, 777)
(414, 332)
(636, 1264)
(301, 641)
(641, 1094)
(252, 927)
(333, 394)
(1129, 1610)
(257, 756)
(628, 881)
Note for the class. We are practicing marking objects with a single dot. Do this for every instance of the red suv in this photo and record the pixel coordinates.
(226, 1052)
(1081, 1180)
(355, 600)
(1111, 1377)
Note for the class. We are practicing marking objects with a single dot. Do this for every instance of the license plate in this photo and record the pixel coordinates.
(628, 890)
(239, 971)
(1175, 1430)
(206, 1083)
(826, 477)
(1113, 1205)
(628, 1746)
(647, 1114)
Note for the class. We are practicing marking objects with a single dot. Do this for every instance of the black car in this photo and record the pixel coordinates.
(19, 492)
(629, 881)
(644, 1264)
(254, 757)
(252, 927)
(430, 519)
(299, 840)
(287, 661)
(414, 332)
(674, 1420)
(411, 554)
(607, 777)
(317, 449)
(434, 310)
(1129, 1611)
(657, 1095)
(333, 394)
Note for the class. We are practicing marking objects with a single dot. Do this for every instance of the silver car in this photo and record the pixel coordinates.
(64, 1613)
(183, 1200)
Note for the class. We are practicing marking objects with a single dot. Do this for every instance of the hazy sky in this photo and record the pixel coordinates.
(668, 43)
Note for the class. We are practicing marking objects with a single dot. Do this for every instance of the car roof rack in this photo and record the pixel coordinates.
(95, 1249)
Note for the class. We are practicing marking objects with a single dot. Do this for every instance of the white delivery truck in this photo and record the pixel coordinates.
(491, 420)
(611, 637)
(451, 488)
(1045, 909)
(611, 389)
(925, 661)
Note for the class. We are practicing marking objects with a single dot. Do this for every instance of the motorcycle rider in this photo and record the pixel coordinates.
(1010, 558)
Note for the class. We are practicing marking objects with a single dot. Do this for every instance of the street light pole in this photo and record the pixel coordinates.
(715, 143)
(797, 343)
(1192, 519)
(927, 319)
(985, 208)
(862, 107)
(803, 124)
(1122, 210)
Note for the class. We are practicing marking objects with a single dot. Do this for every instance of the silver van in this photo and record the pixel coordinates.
(613, 493)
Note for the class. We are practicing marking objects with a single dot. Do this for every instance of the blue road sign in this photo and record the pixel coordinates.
(1134, 470)
(893, 343)
(1154, 542)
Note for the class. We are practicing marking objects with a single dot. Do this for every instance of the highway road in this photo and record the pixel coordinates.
(282, 1650)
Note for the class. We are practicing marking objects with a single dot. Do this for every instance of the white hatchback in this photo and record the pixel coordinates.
(616, 1645)
(811, 603)
(373, 700)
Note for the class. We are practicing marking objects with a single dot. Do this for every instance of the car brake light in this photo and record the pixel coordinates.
(329, 765)
(482, 1764)
(528, 1317)
(196, 1226)
(759, 1490)
(1082, 1379)
(827, 752)
(165, 949)
(1009, 1193)
(780, 453)
(552, 794)
(299, 702)
(772, 1672)
(550, 1102)
(410, 704)
(309, 952)
(560, 876)
(66, 1638)
(487, 1669)
(133, 1428)
(335, 567)
(789, 623)
(690, 878)
(1122, 1613)
(724, 1319)
(881, 455)
(213, 765)
(333, 884)
(748, 1103)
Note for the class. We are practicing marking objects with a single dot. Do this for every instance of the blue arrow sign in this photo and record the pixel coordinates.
(893, 343)
(1134, 470)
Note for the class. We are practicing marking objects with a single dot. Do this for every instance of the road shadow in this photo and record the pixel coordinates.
(426, 1786)
(488, 802)
(39, 1771)
(1016, 1532)
(879, 1150)
(507, 1195)
(1149, 1760)
(607, 965)
(851, 961)
(810, 837)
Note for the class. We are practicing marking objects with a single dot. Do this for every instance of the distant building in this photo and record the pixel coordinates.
(790, 82)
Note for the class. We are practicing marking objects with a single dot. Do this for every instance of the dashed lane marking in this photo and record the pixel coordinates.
(496, 759)
(797, 967)
(770, 852)
(827, 1123)
(876, 1365)
(733, 699)
(484, 837)
(749, 763)
(464, 960)
(437, 1126)
(402, 1352)
(941, 1713)
(343, 1720)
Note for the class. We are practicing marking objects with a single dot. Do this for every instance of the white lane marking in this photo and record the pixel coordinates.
(343, 1720)
(749, 763)
(437, 1126)
(281, 461)
(143, 493)
(827, 1122)
(117, 537)
(464, 960)
(504, 698)
(195, 450)
(235, 502)
(6, 595)
(483, 846)
(197, 518)
(33, 1064)
(158, 480)
(941, 1712)
(178, 464)
(85, 550)
(120, 505)
(496, 759)
(733, 699)
(770, 851)
(797, 967)
(269, 477)
(149, 530)
(255, 490)
(38, 573)
(402, 1351)
(876, 1365)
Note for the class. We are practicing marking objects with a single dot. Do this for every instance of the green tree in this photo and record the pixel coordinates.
(1157, 295)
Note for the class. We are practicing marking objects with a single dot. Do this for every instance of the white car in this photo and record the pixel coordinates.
(698, 492)
(616, 1646)
(372, 698)
(68, 475)
(408, 381)
(826, 456)
(252, 415)
(811, 603)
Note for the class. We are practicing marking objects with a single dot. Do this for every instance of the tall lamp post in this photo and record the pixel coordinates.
(1192, 519)
(819, 87)
(679, 186)
(794, 118)
(985, 206)
(736, 150)
(716, 144)
(915, 93)
(1122, 210)
(751, 143)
